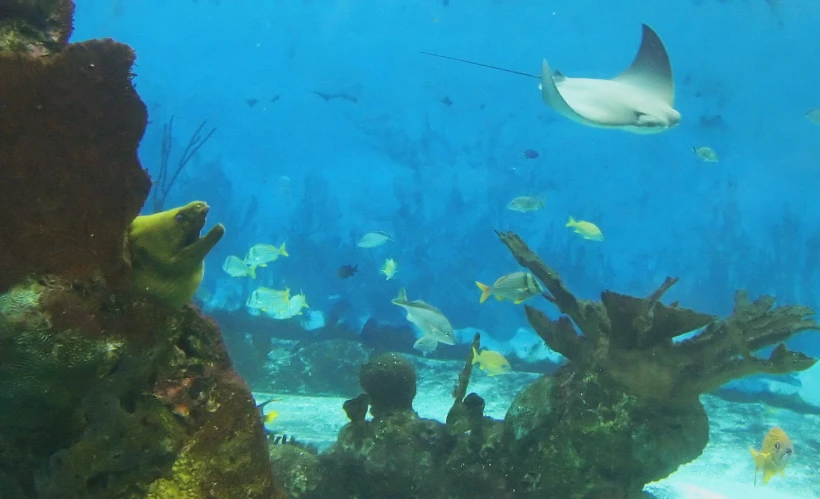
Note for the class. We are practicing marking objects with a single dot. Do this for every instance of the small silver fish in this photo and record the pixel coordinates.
(523, 204)
(374, 239)
(425, 344)
(706, 153)
(235, 267)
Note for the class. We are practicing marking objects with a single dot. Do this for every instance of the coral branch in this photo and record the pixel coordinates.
(587, 316)
(559, 335)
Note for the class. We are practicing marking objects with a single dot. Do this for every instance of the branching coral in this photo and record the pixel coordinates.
(632, 338)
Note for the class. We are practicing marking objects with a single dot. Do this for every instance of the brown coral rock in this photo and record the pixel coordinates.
(70, 180)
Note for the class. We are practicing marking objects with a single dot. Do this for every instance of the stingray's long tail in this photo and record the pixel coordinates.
(537, 77)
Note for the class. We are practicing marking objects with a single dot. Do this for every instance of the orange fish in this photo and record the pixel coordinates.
(773, 456)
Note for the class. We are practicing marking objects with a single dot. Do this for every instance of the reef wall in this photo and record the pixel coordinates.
(108, 392)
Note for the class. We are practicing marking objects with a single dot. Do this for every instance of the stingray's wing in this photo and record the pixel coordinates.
(552, 96)
(651, 70)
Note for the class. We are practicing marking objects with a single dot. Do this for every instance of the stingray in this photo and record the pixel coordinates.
(639, 100)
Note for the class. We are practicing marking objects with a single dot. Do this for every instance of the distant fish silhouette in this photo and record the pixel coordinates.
(446, 101)
(346, 271)
(329, 97)
(274, 99)
(252, 102)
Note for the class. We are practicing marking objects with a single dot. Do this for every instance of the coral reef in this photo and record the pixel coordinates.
(112, 393)
(35, 27)
(71, 181)
(389, 380)
(625, 409)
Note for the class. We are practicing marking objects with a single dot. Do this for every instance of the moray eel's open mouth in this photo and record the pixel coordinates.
(192, 219)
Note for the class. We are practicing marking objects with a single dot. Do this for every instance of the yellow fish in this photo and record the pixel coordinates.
(492, 362)
(516, 287)
(266, 299)
(261, 254)
(587, 230)
(269, 417)
(775, 453)
(389, 268)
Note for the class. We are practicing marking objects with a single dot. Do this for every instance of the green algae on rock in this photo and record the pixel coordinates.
(625, 410)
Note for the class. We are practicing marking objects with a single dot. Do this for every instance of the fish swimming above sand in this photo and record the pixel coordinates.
(427, 318)
(639, 100)
(374, 239)
(426, 344)
(774, 455)
(493, 363)
(268, 300)
(516, 287)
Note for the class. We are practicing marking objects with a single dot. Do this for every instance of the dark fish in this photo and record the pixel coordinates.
(274, 99)
(346, 271)
(530, 154)
(446, 101)
(251, 102)
(329, 97)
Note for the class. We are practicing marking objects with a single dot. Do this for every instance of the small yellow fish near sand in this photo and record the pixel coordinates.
(374, 239)
(261, 254)
(235, 267)
(587, 230)
(523, 204)
(515, 287)
(706, 154)
(493, 363)
(389, 268)
(775, 453)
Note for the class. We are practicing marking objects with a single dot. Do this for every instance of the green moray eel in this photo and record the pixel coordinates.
(167, 252)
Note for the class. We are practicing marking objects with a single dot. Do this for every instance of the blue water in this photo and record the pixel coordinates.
(439, 176)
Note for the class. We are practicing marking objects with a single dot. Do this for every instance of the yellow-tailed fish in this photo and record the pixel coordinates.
(524, 204)
(425, 344)
(269, 417)
(261, 254)
(290, 309)
(373, 239)
(427, 318)
(587, 230)
(493, 363)
(266, 299)
(235, 267)
(389, 268)
(706, 154)
(515, 287)
(775, 453)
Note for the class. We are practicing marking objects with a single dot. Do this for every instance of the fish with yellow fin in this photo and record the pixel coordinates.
(587, 230)
(235, 267)
(775, 453)
(493, 363)
(515, 287)
(389, 268)
(261, 254)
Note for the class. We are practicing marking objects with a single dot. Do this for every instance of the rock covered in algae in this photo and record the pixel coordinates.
(35, 27)
(389, 379)
(167, 252)
(114, 395)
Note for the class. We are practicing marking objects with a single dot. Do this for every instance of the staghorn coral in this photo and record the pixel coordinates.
(625, 410)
